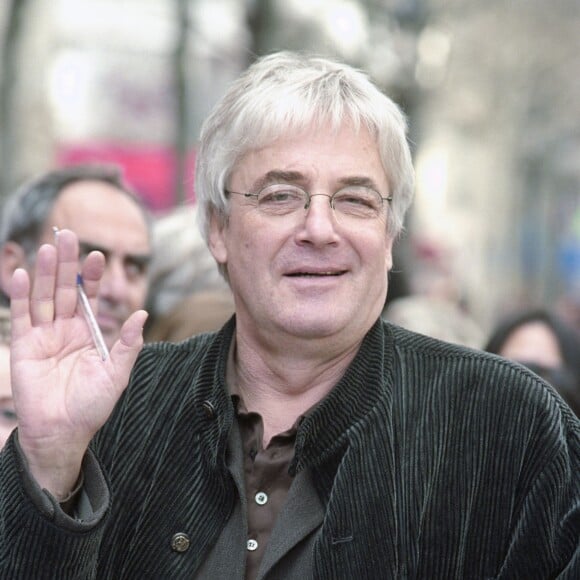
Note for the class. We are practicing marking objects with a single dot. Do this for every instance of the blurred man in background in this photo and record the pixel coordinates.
(95, 203)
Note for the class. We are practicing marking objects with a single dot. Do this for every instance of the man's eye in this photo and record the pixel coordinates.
(8, 415)
(363, 199)
(135, 269)
(353, 199)
(280, 196)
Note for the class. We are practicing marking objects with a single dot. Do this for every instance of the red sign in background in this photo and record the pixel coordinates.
(150, 171)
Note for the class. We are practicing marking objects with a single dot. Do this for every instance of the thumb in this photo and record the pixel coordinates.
(125, 351)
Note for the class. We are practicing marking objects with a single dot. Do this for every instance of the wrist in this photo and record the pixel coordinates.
(56, 469)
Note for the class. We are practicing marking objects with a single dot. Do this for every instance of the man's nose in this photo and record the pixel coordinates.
(319, 224)
(114, 282)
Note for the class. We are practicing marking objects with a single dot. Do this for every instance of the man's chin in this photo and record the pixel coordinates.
(110, 336)
(110, 328)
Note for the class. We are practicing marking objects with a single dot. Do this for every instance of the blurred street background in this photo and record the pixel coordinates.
(491, 88)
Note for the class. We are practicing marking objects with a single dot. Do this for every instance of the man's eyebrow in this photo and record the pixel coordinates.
(279, 176)
(136, 258)
(139, 259)
(360, 181)
(86, 247)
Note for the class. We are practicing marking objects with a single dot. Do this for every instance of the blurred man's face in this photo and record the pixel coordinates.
(107, 220)
(7, 414)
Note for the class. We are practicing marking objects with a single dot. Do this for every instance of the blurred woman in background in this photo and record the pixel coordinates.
(541, 341)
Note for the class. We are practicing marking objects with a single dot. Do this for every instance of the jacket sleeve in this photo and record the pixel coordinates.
(545, 537)
(37, 539)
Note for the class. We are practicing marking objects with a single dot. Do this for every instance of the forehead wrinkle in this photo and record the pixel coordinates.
(297, 168)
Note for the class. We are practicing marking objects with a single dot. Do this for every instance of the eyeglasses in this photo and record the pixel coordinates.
(353, 201)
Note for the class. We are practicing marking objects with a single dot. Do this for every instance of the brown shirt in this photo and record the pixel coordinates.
(266, 478)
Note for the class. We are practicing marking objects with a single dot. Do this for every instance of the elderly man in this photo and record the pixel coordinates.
(95, 203)
(307, 438)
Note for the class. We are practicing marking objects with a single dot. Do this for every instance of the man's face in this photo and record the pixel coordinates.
(106, 219)
(307, 274)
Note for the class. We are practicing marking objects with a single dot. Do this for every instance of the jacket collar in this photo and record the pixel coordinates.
(323, 432)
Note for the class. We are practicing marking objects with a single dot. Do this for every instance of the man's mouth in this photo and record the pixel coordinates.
(316, 274)
(109, 320)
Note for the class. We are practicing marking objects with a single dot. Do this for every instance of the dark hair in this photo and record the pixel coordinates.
(25, 211)
(566, 380)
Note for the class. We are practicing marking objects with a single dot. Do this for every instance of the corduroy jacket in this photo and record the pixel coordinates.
(431, 461)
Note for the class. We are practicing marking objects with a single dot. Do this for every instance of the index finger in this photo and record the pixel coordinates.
(20, 303)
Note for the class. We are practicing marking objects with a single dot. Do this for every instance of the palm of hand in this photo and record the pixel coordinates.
(63, 391)
(60, 382)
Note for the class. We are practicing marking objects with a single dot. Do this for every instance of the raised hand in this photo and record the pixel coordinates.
(63, 390)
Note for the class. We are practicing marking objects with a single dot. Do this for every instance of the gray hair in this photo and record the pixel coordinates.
(286, 91)
(25, 212)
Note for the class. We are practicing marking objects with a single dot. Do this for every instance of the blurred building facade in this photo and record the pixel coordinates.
(490, 88)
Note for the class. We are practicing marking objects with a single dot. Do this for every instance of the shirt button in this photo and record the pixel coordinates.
(208, 409)
(180, 542)
(261, 498)
(252, 545)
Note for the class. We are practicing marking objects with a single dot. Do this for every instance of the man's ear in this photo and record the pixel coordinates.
(12, 256)
(389, 255)
(217, 235)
